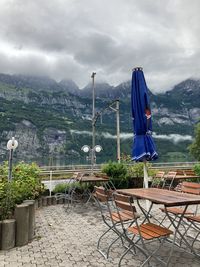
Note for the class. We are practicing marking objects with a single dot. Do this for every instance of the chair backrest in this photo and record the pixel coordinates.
(124, 202)
(192, 188)
(100, 194)
(189, 172)
(160, 174)
(171, 175)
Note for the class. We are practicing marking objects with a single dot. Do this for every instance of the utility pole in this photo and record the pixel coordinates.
(116, 109)
(93, 121)
(118, 131)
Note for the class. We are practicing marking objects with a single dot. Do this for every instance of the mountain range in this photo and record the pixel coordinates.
(53, 119)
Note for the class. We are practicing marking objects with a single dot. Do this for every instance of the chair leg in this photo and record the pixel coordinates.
(105, 255)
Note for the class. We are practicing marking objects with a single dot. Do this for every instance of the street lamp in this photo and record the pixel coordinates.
(11, 146)
(92, 152)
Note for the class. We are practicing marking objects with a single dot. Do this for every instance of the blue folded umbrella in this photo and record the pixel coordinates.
(143, 144)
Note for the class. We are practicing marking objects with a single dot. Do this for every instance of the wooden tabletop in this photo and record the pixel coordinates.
(184, 177)
(91, 179)
(161, 196)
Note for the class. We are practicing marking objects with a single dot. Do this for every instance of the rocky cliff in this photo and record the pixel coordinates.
(51, 119)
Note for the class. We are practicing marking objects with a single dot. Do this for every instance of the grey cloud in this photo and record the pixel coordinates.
(70, 39)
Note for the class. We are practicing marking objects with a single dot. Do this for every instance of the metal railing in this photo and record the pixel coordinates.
(97, 167)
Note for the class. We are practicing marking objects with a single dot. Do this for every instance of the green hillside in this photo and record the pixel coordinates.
(56, 123)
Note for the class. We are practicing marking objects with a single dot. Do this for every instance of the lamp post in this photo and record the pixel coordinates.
(92, 152)
(11, 146)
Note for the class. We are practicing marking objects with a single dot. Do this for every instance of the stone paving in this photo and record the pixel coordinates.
(68, 239)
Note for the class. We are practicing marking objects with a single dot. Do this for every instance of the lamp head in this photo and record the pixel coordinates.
(85, 148)
(98, 148)
(12, 144)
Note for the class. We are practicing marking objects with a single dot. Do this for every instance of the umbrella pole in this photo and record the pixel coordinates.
(145, 182)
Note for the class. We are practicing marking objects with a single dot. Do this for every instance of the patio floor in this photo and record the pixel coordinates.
(69, 239)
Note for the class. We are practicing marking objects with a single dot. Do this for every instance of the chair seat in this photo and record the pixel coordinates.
(194, 218)
(125, 216)
(176, 211)
(150, 231)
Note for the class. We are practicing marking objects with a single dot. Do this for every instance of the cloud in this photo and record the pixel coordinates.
(175, 138)
(69, 39)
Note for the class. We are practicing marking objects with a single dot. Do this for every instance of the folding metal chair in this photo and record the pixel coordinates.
(192, 218)
(110, 218)
(168, 180)
(157, 179)
(141, 233)
(70, 196)
(175, 212)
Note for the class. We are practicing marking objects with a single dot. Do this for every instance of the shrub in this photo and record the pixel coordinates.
(117, 173)
(26, 184)
(197, 169)
(124, 175)
(64, 187)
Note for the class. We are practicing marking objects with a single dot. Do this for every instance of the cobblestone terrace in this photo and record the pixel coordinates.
(68, 239)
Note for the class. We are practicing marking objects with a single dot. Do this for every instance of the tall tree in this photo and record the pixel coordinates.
(195, 146)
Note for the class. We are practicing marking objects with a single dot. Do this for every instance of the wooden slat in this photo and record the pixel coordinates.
(156, 229)
(150, 231)
(160, 174)
(170, 175)
(194, 218)
(176, 211)
(101, 197)
(122, 198)
(100, 189)
(125, 206)
(124, 216)
(191, 184)
(189, 187)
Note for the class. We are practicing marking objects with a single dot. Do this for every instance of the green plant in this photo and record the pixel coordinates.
(117, 173)
(194, 148)
(64, 187)
(197, 169)
(7, 200)
(137, 170)
(25, 184)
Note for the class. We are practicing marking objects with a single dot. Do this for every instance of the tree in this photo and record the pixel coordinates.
(194, 148)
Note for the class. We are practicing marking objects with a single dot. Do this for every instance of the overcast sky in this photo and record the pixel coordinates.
(68, 39)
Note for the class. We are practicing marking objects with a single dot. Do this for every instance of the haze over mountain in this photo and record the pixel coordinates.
(54, 118)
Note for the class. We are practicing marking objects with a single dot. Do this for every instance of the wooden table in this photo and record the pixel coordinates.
(90, 179)
(160, 196)
(185, 177)
(168, 199)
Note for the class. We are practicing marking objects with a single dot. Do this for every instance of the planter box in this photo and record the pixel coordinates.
(44, 201)
(136, 182)
(0, 233)
(7, 234)
(39, 202)
(22, 224)
(31, 230)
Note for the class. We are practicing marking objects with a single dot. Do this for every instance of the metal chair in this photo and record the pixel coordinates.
(176, 212)
(141, 233)
(168, 180)
(111, 219)
(70, 196)
(157, 179)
